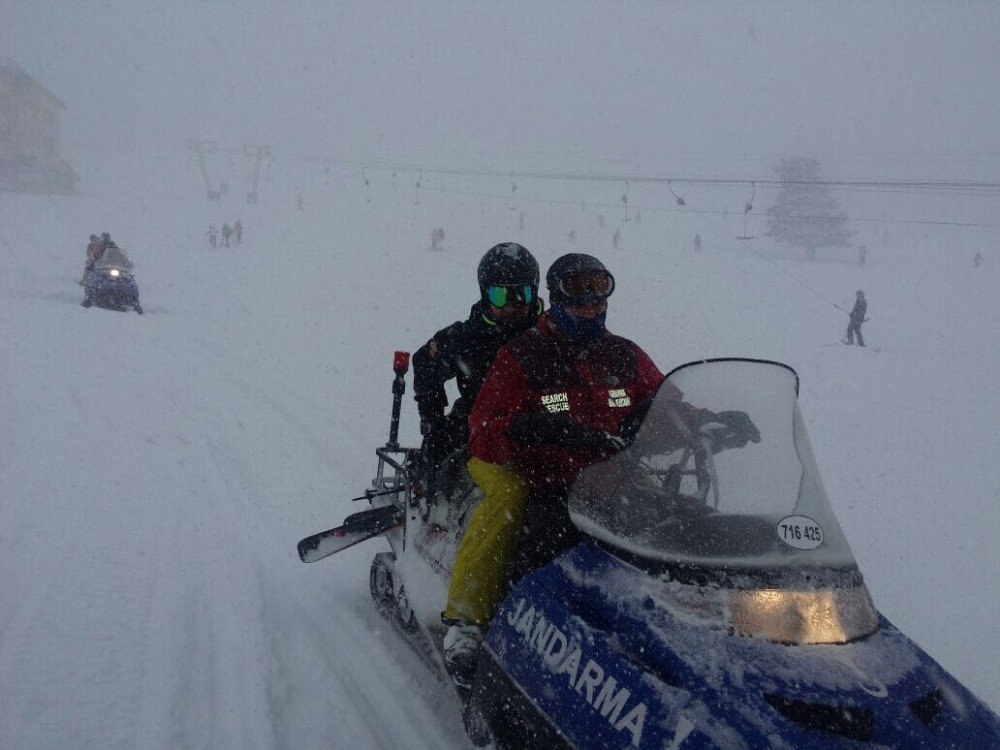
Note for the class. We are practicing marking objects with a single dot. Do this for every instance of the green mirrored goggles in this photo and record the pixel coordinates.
(518, 294)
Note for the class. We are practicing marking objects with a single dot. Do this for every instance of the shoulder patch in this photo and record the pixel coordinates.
(432, 348)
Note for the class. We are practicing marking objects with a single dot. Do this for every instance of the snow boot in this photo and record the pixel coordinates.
(461, 649)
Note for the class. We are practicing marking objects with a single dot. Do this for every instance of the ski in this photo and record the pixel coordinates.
(356, 528)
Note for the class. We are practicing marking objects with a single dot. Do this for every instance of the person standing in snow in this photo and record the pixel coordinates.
(227, 232)
(437, 237)
(857, 318)
(238, 231)
(697, 243)
(213, 236)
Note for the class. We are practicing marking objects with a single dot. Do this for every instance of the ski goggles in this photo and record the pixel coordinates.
(587, 286)
(518, 294)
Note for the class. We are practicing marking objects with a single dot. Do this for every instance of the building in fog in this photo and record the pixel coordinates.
(31, 157)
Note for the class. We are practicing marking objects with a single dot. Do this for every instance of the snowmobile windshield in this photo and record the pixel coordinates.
(676, 495)
(114, 257)
(754, 519)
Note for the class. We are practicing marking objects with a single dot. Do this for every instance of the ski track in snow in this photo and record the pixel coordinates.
(157, 606)
(158, 470)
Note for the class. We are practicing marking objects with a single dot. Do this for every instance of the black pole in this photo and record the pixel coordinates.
(400, 365)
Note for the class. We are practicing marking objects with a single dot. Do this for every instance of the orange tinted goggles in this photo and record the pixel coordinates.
(587, 286)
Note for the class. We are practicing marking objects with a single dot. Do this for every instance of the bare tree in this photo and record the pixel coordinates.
(805, 214)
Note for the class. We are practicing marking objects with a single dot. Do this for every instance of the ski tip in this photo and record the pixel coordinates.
(304, 549)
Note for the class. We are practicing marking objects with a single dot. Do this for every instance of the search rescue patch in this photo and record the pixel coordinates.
(618, 398)
(556, 402)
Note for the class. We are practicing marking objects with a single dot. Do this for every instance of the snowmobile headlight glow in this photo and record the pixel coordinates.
(115, 272)
(803, 617)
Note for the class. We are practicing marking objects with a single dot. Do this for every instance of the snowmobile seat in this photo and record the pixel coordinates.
(455, 492)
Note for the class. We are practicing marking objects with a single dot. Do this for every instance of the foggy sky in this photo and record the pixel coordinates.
(906, 88)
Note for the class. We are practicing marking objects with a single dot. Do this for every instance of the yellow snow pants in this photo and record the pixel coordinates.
(486, 552)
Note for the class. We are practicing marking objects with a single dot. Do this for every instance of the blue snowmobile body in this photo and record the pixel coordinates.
(586, 654)
(110, 284)
(714, 604)
(714, 601)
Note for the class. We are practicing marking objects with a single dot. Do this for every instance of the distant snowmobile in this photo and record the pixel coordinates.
(110, 284)
(715, 602)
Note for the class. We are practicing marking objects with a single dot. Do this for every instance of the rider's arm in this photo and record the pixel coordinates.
(499, 401)
(433, 366)
(648, 377)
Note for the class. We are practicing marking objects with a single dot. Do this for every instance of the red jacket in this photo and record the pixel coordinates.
(597, 385)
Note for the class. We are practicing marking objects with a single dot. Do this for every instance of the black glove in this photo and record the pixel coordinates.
(429, 424)
(729, 429)
(543, 428)
(437, 446)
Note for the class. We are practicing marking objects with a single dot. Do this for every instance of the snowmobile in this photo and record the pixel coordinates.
(110, 283)
(714, 601)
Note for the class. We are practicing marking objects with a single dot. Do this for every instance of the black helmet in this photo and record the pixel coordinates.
(105, 236)
(93, 238)
(506, 264)
(579, 278)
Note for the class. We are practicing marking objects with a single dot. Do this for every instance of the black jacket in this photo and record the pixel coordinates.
(465, 350)
(859, 311)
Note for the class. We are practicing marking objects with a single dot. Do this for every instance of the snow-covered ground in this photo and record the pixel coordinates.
(157, 471)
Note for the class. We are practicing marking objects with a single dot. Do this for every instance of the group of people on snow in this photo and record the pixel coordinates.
(534, 410)
(234, 231)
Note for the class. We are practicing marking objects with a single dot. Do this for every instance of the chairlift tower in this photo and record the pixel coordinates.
(257, 152)
(201, 148)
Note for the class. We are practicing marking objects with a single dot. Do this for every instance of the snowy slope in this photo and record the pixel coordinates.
(157, 471)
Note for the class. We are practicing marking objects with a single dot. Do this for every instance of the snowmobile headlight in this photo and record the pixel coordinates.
(804, 617)
(115, 272)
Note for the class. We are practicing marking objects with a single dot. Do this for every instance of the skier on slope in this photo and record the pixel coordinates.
(857, 318)
(508, 286)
